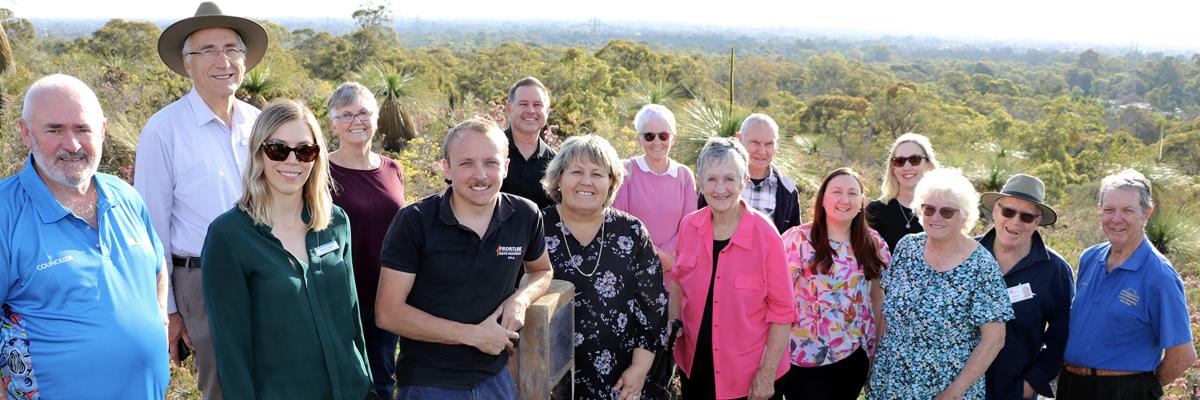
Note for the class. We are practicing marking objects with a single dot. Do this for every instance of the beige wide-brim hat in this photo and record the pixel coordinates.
(1026, 188)
(170, 43)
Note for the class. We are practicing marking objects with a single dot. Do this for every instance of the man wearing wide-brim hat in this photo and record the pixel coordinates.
(190, 160)
(1040, 287)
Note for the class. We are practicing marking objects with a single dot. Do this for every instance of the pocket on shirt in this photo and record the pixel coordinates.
(749, 282)
(1128, 325)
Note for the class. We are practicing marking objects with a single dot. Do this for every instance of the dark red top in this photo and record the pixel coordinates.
(370, 198)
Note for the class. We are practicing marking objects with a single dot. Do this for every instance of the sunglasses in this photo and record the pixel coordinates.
(914, 160)
(1025, 217)
(946, 212)
(663, 136)
(277, 151)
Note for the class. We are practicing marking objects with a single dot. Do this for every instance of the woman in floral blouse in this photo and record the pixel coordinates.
(945, 302)
(836, 261)
(607, 254)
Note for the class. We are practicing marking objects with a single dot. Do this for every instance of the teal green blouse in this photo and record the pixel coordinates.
(283, 329)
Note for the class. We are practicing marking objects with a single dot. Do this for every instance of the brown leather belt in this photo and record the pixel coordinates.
(1089, 371)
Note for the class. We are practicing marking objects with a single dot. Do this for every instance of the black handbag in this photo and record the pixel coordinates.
(662, 372)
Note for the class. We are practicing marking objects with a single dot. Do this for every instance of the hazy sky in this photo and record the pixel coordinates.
(1149, 23)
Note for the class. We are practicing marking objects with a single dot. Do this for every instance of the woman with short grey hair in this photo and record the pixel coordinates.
(731, 288)
(370, 188)
(944, 305)
(657, 190)
(607, 254)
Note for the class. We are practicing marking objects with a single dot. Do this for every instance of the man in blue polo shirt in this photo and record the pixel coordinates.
(1129, 306)
(82, 273)
(450, 265)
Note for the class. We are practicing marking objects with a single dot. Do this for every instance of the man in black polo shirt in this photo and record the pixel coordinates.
(450, 265)
(528, 155)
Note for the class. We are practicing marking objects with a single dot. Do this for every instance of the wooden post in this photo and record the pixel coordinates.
(546, 351)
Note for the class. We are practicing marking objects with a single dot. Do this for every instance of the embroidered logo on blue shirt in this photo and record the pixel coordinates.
(56, 261)
(1129, 297)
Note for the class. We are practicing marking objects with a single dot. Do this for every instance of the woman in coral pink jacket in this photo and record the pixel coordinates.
(731, 288)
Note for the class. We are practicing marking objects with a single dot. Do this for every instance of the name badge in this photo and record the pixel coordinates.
(326, 248)
(1020, 293)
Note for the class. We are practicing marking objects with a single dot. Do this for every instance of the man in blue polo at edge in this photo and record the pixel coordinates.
(82, 273)
(1129, 333)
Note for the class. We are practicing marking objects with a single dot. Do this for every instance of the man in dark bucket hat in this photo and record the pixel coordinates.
(1040, 287)
(190, 160)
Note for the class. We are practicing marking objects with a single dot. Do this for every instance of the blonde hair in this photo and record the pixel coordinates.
(256, 200)
(890, 186)
(948, 184)
(585, 147)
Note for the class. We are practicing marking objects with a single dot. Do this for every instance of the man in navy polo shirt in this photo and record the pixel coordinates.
(82, 274)
(1129, 306)
(450, 268)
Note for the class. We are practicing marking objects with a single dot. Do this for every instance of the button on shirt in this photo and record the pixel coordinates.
(189, 170)
(460, 277)
(750, 291)
(86, 322)
(283, 329)
(1035, 339)
(1122, 320)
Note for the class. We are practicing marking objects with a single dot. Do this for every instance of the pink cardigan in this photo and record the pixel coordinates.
(752, 290)
(659, 201)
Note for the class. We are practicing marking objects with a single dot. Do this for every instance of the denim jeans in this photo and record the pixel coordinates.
(498, 387)
(381, 356)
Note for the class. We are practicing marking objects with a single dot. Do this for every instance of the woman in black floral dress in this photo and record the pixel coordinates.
(606, 253)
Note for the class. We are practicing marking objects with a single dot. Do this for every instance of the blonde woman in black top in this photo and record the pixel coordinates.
(891, 215)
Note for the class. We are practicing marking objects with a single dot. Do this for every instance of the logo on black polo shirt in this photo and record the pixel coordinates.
(509, 251)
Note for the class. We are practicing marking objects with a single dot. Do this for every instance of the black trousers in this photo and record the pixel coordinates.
(1142, 386)
(842, 380)
(704, 386)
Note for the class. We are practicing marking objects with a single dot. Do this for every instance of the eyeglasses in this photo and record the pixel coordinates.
(663, 136)
(363, 115)
(1025, 217)
(277, 151)
(945, 212)
(914, 160)
(233, 53)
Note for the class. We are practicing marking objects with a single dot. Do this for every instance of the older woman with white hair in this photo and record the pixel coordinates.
(370, 188)
(945, 303)
(657, 190)
(892, 213)
(276, 273)
(731, 289)
(620, 303)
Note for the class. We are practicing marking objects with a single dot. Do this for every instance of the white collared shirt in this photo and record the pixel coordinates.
(189, 170)
(672, 167)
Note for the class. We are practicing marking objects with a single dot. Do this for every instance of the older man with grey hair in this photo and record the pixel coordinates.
(1129, 326)
(83, 279)
(190, 159)
(769, 190)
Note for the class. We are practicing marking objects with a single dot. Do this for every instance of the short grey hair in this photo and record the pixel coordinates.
(948, 184)
(1129, 179)
(187, 44)
(760, 119)
(589, 147)
(721, 149)
(87, 97)
(349, 93)
(650, 112)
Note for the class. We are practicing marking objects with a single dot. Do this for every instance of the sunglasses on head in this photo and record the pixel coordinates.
(1025, 217)
(946, 212)
(277, 151)
(663, 136)
(914, 160)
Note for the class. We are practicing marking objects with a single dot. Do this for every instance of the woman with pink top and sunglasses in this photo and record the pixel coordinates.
(657, 190)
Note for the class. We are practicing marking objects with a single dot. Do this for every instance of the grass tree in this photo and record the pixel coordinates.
(257, 85)
(398, 89)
